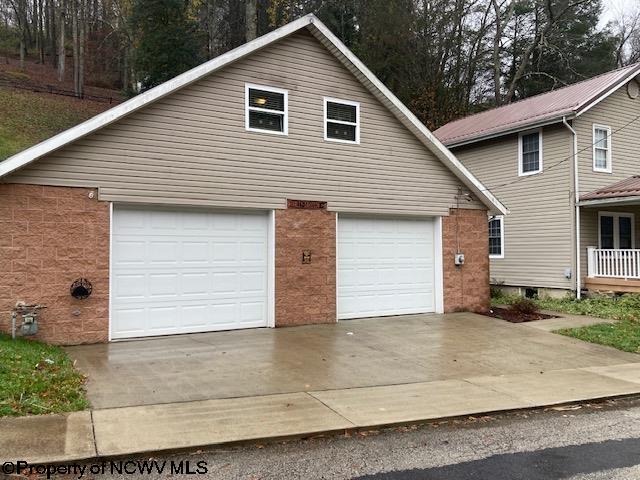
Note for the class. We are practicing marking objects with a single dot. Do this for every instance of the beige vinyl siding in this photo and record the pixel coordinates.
(538, 230)
(589, 229)
(615, 111)
(192, 148)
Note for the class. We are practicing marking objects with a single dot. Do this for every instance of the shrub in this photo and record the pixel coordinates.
(524, 306)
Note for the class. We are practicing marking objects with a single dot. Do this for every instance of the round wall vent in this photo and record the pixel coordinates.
(81, 289)
(633, 89)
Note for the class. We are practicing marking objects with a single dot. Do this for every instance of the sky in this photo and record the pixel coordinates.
(614, 8)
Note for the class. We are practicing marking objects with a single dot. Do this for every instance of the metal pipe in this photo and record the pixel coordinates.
(13, 325)
(576, 187)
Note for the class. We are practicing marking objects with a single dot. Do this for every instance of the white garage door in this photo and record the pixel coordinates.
(183, 271)
(385, 266)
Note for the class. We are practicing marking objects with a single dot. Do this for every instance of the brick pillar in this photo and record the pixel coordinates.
(50, 236)
(305, 292)
(466, 287)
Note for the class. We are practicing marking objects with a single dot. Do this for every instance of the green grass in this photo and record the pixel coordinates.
(27, 118)
(625, 307)
(623, 335)
(36, 378)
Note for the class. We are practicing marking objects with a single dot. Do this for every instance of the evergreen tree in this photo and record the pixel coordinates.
(166, 43)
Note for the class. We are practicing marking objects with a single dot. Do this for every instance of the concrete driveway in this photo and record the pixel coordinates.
(349, 354)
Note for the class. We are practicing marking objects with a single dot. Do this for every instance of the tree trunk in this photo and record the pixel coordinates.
(61, 49)
(82, 34)
(41, 40)
(497, 85)
(23, 51)
(76, 44)
(52, 31)
(251, 19)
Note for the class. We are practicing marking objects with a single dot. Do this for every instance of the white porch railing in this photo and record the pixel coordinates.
(613, 263)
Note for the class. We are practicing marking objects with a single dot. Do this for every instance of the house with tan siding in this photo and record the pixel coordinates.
(279, 184)
(565, 164)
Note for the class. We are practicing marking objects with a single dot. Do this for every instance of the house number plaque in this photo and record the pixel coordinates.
(307, 204)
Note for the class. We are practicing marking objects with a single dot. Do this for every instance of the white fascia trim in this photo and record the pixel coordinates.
(606, 91)
(427, 138)
(103, 119)
(622, 201)
(439, 266)
(521, 172)
(356, 124)
(110, 301)
(511, 131)
(609, 167)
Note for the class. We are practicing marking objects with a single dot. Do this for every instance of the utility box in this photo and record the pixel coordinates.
(459, 259)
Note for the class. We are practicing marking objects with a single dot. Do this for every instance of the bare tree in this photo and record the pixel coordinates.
(251, 20)
(626, 28)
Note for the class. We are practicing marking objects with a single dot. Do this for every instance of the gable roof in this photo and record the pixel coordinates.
(330, 41)
(546, 108)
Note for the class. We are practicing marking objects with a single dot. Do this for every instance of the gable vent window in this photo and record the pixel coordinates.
(341, 121)
(266, 109)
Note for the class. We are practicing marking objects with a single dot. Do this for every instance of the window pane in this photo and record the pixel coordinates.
(530, 152)
(625, 232)
(602, 138)
(341, 112)
(606, 232)
(340, 131)
(266, 121)
(531, 143)
(530, 162)
(495, 236)
(601, 158)
(264, 99)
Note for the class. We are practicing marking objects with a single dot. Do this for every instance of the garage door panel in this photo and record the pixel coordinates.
(385, 266)
(187, 271)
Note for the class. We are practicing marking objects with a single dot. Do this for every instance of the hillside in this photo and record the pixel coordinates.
(28, 115)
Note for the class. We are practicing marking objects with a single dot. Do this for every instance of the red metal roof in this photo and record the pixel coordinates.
(629, 187)
(533, 110)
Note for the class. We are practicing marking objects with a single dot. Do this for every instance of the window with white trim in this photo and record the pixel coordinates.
(496, 236)
(530, 153)
(341, 121)
(602, 149)
(266, 109)
(616, 230)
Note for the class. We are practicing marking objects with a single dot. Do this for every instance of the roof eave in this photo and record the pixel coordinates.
(606, 91)
(610, 201)
(570, 115)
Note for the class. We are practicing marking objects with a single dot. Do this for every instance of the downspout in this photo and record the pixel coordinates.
(576, 188)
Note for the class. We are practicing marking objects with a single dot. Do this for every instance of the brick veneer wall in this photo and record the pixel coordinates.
(466, 287)
(305, 293)
(50, 236)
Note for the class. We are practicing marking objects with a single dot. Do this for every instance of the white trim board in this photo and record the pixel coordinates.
(335, 46)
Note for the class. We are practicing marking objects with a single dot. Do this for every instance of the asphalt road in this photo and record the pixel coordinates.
(595, 441)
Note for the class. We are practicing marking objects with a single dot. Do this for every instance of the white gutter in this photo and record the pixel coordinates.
(509, 131)
(576, 187)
